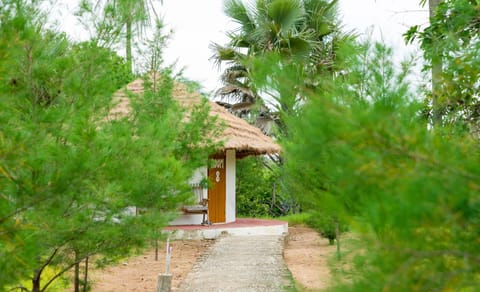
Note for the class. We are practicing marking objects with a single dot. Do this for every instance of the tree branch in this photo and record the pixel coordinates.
(20, 210)
(39, 271)
(74, 263)
(64, 270)
(19, 287)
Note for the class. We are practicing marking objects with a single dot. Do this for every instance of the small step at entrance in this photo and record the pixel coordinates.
(241, 227)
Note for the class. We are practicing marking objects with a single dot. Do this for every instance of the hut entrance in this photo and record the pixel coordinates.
(217, 191)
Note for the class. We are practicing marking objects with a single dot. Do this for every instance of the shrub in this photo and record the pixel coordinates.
(325, 224)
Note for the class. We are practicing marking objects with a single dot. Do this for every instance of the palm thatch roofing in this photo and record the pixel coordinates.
(239, 135)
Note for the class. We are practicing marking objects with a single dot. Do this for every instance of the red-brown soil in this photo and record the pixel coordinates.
(307, 254)
(140, 273)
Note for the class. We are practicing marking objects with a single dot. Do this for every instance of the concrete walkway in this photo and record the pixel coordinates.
(241, 226)
(241, 263)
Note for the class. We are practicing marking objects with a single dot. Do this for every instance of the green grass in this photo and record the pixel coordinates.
(345, 270)
(295, 219)
(293, 285)
(292, 219)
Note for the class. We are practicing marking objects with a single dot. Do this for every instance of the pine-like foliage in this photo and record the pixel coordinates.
(451, 47)
(360, 150)
(70, 178)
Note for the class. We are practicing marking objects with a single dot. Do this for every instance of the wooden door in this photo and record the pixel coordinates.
(217, 191)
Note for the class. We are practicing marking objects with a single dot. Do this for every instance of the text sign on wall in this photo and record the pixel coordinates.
(217, 163)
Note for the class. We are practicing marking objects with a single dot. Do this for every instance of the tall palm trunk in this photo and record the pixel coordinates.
(436, 73)
(129, 45)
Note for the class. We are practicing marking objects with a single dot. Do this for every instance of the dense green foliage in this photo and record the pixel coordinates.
(451, 48)
(306, 35)
(357, 147)
(360, 149)
(119, 21)
(254, 185)
(326, 223)
(259, 189)
(72, 180)
(305, 32)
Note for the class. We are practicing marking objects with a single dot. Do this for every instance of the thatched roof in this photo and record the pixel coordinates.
(238, 134)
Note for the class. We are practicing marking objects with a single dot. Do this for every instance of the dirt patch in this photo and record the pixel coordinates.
(307, 255)
(140, 273)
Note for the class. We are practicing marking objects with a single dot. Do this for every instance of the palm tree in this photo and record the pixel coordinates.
(436, 72)
(128, 17)
(303, 32)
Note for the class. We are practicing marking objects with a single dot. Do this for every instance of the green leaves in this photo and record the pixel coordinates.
(115, 20)
(450, 47)
(303, 32)
(239, 12)
(285, 14)
(71, 180)
(359, 150)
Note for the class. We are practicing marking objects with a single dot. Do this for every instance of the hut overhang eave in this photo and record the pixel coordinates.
(239, 135)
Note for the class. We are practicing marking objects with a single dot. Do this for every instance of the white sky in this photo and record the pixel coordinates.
(196, 24)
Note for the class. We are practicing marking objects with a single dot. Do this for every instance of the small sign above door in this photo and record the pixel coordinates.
(217, 163)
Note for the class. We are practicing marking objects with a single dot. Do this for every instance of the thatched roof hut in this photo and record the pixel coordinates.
(238, 134)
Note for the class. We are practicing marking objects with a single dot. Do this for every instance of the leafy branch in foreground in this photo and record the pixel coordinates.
(69, 178)
(411, 194)
(450, 47)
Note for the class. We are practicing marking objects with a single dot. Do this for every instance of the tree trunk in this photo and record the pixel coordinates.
(36, 281)
(432, 5)
(128, 45)
(272, 203)
(76, 279)
(85, 276)
(436, 73)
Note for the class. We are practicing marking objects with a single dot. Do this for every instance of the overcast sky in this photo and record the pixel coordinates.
(196, 24)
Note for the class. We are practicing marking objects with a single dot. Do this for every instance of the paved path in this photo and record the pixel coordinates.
(241, 263)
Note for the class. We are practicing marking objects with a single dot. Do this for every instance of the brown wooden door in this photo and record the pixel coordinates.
(217, 191)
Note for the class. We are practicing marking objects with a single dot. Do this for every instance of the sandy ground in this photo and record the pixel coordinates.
(140, 273)
(306, 255)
